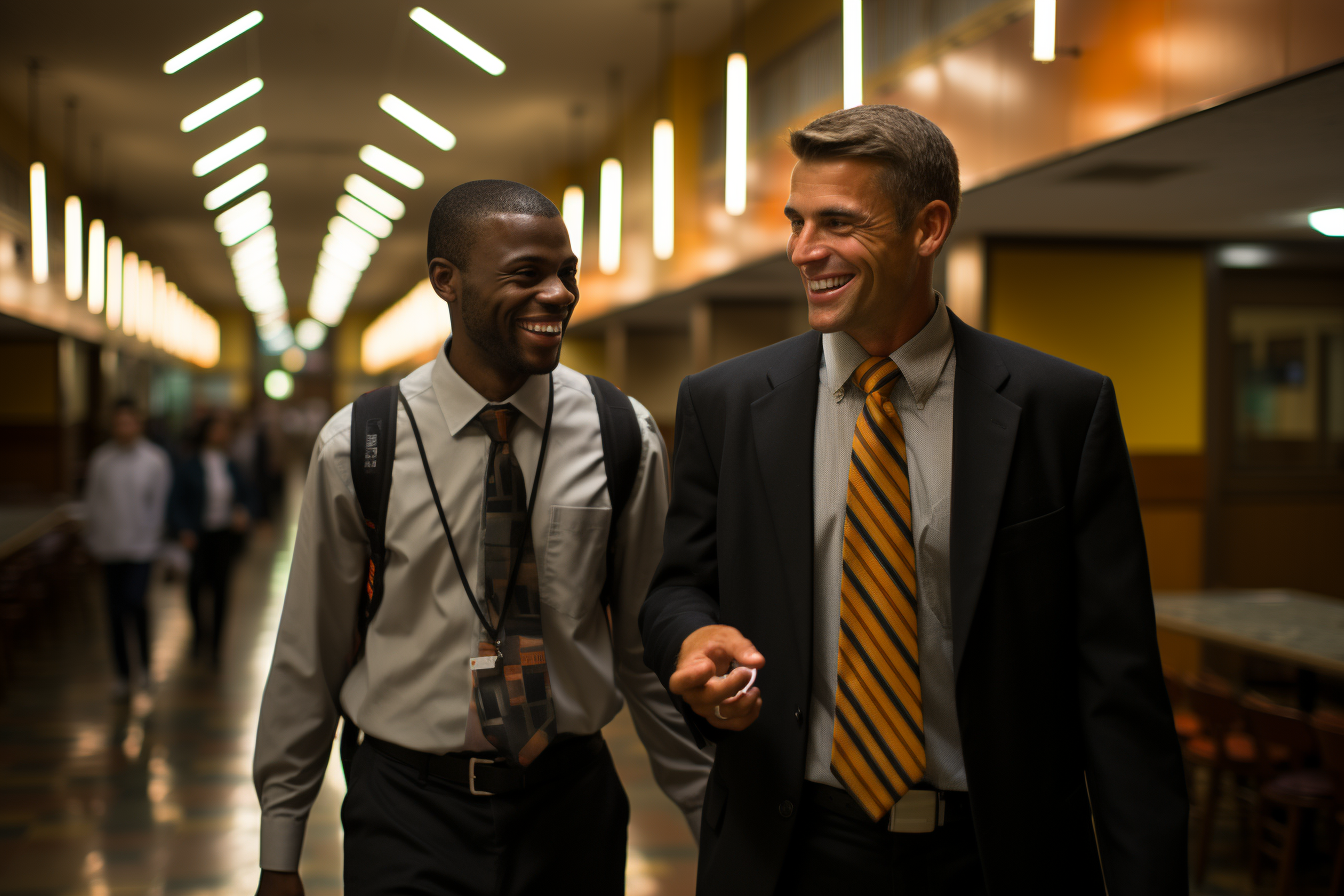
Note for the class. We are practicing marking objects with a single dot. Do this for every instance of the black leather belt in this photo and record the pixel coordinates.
(956, 804)
(486, 775)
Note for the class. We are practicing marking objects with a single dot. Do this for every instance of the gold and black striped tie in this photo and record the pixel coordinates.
(878, 747)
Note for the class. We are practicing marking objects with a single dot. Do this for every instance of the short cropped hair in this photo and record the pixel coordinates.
(919, 164)
(127, 404)
(455, 222)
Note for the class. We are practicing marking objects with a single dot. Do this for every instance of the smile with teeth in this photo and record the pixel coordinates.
(539, 327)
(829, 283)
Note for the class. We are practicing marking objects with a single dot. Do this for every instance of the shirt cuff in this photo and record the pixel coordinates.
(281, 842)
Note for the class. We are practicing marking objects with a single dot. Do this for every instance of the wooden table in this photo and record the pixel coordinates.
(1293, 627)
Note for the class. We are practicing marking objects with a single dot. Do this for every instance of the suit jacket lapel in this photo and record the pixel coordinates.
(783, 420)
(984, 430)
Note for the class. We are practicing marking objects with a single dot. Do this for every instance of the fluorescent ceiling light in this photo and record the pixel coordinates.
(374, 196)
(278, 384)
(213, 42)
(356, 238)
(1329, 221)
(735, 148)
(219, 106)
(97, 266)
(417, 121)
(1043, 32)
(260, 243)
(130, 292)
(386, 163)
(457, 40)
(572, 213)
(37, 192)
(144, 318)
(113, 306)
(309, 334)
(74, 248)
(364, 216)
(338, 268)
(609, 218)
(250, 207)
(229, 151)
(664, 195)
(342, 254)
(246, 228)
(852, 54)
(235, 186)
(1246, 255)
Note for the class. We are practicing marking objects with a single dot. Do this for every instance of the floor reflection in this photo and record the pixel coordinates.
(154, 795)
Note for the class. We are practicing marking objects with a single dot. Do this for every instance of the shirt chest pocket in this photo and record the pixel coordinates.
(575, 561)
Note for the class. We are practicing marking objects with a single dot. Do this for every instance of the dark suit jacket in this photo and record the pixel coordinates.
(186, 503)
(1059, 686)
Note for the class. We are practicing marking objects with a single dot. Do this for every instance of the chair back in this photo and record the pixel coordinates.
(1271, 724)
(1215, 702)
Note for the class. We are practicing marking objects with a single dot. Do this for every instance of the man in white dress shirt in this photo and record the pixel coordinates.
(126, 497)
(556, 817)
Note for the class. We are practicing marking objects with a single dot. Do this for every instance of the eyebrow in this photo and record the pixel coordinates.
(834, 211)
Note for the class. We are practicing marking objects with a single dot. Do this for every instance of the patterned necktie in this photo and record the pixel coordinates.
(878, 746)
(512, 698)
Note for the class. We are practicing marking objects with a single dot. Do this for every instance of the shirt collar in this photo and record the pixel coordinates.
(920, 360)
(461, 403)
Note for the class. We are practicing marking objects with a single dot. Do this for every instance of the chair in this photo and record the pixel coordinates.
(1222, 748)
(1330, 732)
(1295, 790)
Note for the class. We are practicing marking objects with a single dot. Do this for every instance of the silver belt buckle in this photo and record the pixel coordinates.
(916, 813)
(472, 762)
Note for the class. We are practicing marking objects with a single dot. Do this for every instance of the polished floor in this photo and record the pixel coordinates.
(154, 795)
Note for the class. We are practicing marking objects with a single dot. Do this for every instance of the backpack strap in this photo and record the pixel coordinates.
(373, 445)
(621, 449)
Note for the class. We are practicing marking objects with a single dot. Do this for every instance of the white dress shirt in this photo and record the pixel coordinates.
(412, 686)
(218, 512)
(923, 398)
(126, 498)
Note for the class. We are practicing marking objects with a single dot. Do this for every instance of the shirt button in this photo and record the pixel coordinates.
(786, 809)
(839, 394)
(798, 717)
(920, 405)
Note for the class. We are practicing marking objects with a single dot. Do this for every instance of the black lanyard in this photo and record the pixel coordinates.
(491, 630)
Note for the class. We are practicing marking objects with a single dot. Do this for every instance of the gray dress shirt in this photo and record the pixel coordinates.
(923, 399)
(412, 686)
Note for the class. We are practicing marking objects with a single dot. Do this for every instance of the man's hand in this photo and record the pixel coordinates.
(706, 654)
(280, 883)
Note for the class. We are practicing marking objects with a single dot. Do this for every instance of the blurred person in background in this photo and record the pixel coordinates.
(210, 511)
(126, 497)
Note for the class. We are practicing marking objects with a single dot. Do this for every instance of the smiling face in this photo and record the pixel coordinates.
(511, 302)
(861, 272)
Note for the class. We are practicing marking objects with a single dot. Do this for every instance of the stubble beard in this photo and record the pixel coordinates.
(481, 329)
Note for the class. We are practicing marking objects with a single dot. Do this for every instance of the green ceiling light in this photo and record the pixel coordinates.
(213, 42)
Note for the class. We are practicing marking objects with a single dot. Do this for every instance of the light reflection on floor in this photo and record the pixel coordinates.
(154, 796)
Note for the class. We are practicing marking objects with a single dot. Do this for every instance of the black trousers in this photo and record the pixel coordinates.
(831, 852)
(406, 835)
(125, 586)
(211, 569)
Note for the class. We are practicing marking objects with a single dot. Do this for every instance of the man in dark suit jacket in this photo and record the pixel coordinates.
(933, 537)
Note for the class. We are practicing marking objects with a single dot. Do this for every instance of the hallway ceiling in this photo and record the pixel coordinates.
(324, 67)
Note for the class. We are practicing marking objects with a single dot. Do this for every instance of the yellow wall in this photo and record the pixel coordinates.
(33, 395)
(1136, 315)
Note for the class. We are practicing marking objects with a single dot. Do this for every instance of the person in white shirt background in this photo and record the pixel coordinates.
(211, 509)
(126, 497)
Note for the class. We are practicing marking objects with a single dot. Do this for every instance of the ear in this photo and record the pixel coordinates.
(446, 279)
(932, 226)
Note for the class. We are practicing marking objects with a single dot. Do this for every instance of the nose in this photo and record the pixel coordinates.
(554, 292)
(805, 248)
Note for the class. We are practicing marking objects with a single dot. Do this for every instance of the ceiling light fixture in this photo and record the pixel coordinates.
(572, 214)
(217, 107)
(260, 244)
(213, 42)
(144, 315)
(664, 195)
(417, 121)
(385, 163)
(309, 334)
(235, 186)
(251, 207)
(457, 40)
(365, 217)
(735, 148)
(609, 218)
(97, 266)
(336, 256)
(374, 196)
(1327, 221)
(229, 151)
(355, 237)
(37, 192)
(1043, 32)
(246, 228)
(852, 54)
(130, 292)
(114, 283)
(74, 248)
